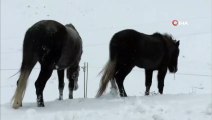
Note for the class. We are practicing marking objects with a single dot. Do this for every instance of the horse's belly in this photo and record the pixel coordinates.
(147, 64)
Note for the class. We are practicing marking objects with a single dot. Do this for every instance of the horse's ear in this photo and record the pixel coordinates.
(178, 43)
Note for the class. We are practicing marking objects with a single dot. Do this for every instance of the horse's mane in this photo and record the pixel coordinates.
(165, 35)
(157, 34)
(169, 36)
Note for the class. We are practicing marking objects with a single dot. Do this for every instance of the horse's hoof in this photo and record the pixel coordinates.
(146, 93)
(16, 106)
(70, 97)
(123, 95)
(41, 105)
(161, 92)
(60, 98)
(114, 91)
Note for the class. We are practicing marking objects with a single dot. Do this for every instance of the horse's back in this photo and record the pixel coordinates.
(45, 32)
(46, 28)
(124, 40)
(125, 37)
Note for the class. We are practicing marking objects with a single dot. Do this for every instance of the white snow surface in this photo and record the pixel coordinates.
(187, 96)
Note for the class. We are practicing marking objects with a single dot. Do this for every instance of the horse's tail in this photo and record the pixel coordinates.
(108, 74)
(20, 90)
(28, 62)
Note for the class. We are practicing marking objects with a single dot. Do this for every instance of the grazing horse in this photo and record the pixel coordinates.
(54, 46)
(129, 48)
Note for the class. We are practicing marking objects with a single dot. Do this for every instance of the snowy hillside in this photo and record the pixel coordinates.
(188, 96)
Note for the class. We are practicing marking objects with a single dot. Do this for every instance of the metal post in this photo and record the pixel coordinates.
(85, 70)
(86, 80)
(84, 77)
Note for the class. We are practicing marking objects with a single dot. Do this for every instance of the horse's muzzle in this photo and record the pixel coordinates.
(173, 69)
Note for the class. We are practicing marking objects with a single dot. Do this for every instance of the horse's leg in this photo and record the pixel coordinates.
(148, 82)
(120, 76)
(114, 89)
(161, 77)
(72, 75)
(40, 83)
(113, 84)
(61, 83)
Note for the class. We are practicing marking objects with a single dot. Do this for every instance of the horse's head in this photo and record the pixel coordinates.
(174, 57)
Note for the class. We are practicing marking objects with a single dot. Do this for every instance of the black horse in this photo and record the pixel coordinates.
(129, 48)
(54, 46)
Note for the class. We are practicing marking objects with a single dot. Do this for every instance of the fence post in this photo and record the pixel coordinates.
(86, 80)
(85, 70)
(84, 77)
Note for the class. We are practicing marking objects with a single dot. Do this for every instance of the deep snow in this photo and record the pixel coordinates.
(188, 96)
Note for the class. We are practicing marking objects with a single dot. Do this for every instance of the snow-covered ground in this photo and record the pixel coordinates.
(188, 96)
(166, 107)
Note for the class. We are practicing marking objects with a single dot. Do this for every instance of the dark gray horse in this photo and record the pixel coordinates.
(54, 46)
(129, 48)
